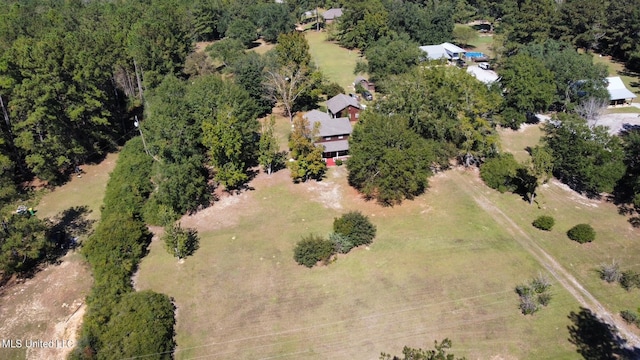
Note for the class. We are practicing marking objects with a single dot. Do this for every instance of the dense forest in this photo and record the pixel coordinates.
(79, 79)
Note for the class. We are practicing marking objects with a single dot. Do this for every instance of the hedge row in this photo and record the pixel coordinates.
(115, 311)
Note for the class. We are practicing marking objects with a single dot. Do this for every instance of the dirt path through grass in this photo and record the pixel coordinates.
(474, 187)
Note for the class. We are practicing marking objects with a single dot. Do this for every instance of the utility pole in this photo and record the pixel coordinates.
(136, 123)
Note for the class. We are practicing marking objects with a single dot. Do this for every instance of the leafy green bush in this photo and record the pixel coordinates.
(342, 244)
(332, 89)
(544, 222)
(500, 172)
(142, 324)
(312, 249)
(582, 233)
(23, 243)
(339, 162)
(630, 279)
(356, 227)
(180, 242)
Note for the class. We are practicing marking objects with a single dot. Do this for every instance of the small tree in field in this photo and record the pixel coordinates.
(610, 272)
(356, 227)
(582, 233)
(180, 242)
(312, 249)
(268, 150)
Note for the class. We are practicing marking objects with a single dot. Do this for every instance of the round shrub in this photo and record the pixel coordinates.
(544, 222)
(582, 233)
(356, 227)
(312, 249)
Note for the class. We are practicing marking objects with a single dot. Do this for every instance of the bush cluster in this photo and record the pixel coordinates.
(356, 227)
(350, 230)
(115, 311)
(544, 222)
(582, 233)
(534, 295)
(312, 249)
(628, 279)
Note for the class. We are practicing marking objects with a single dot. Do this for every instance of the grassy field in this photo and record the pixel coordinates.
(616, 238)
(516, 142)
(440, 267)
(87, 190)
(336, 63)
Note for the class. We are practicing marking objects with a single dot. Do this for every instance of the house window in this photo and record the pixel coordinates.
(340, 137)
(357, 115)
(328, 138)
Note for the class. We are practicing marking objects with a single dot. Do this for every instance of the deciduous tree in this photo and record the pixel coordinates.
(587, 159)
(269, 154)
(308, 162)
(388, 162)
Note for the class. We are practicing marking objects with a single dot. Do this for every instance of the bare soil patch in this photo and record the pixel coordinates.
(47, 307)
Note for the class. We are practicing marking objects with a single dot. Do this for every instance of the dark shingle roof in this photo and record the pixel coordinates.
(328, 126)
(341, 102)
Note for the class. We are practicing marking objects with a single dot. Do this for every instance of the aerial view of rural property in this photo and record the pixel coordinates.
(296, 179)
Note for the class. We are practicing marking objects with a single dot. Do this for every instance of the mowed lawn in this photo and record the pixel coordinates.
(440, 267)
(87, 190)
(615, 240)
(335, 62)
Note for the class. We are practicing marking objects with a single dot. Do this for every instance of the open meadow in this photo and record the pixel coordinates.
(439, 267)
(336, 63)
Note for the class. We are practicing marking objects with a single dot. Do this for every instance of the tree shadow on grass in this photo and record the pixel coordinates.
(597, 340)
(67, 227)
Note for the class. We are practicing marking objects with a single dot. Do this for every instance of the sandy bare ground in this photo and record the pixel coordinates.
(564, 278)
(616, 122)
(49, 306)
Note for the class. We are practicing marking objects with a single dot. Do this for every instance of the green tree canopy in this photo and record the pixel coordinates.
(147, 320)
(587, 159)
(446, 105)
(392, 56)
(388, 162)
(528, 87)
